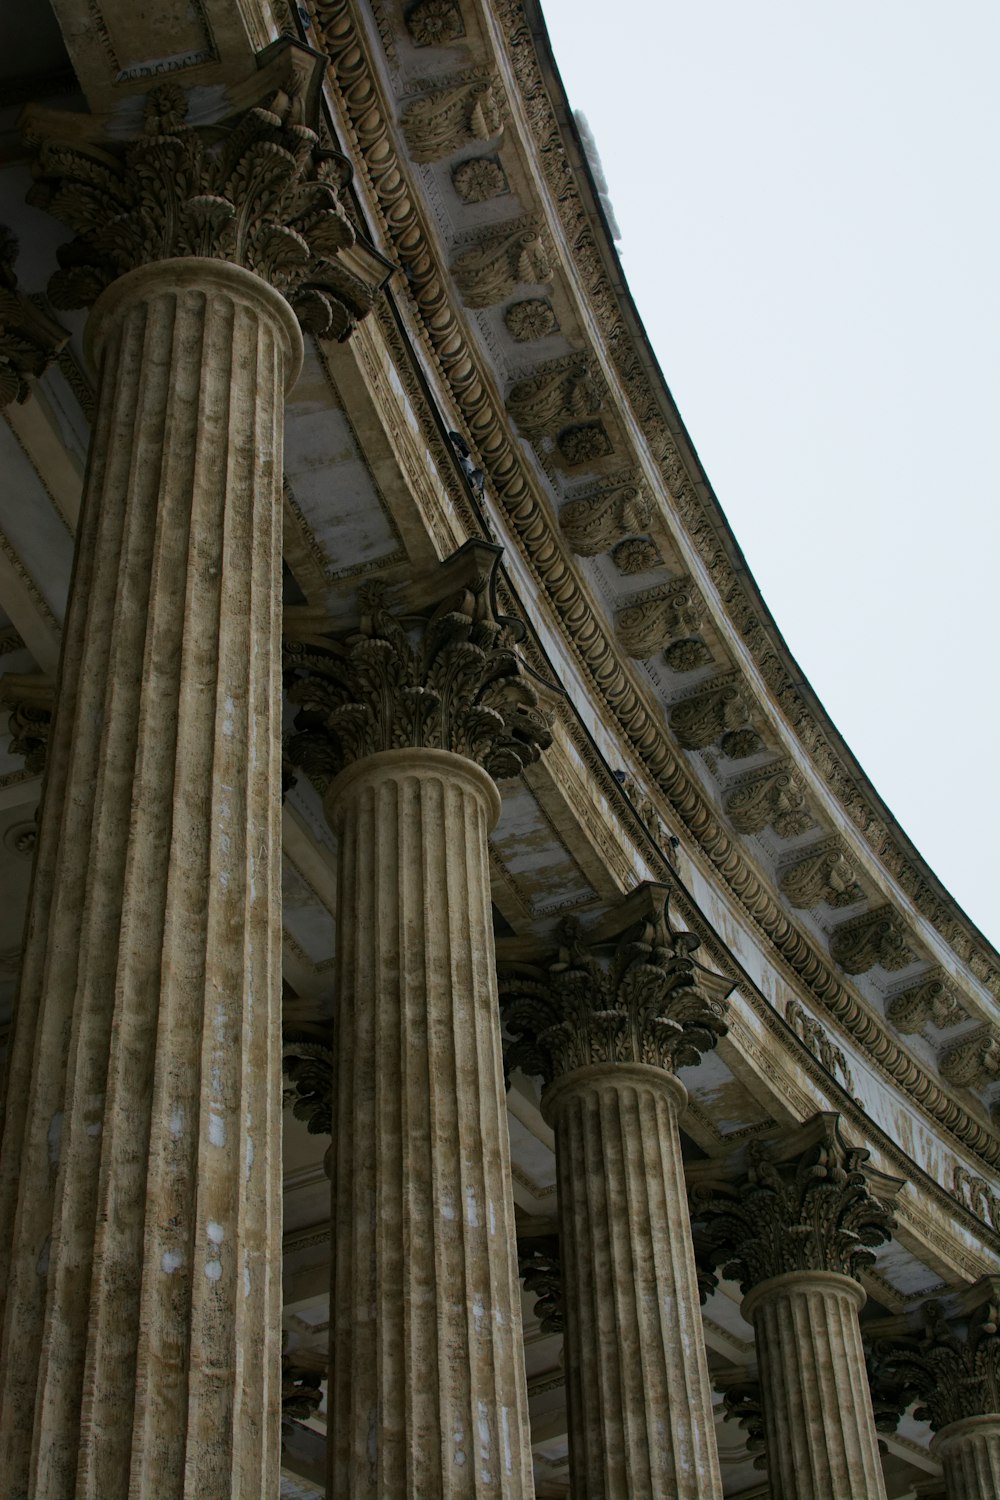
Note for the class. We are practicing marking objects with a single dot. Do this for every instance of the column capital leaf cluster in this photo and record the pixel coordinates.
(307, 1063)
(647, 1001)
(804, 1204)
(952, 1366)
(255, 189)
(439, 672)
(29, 338)
(30, 699)
(540, 1268)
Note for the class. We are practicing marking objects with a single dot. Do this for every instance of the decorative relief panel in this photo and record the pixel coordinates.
(876, 937)
(531, 319)
(562, 391)
(593, 524)
(930, 1000)
(489, 271)
(699, 720)
(823, 874)
(974, 1062)
(441, 122)
(818, 1041)
(775, 795)
(652, 619)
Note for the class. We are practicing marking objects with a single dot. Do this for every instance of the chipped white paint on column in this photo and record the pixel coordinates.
(141, 1257)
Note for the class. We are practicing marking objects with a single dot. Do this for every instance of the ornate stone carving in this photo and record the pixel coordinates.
(446, 677)
(648, 815)
(561, 391)
(30, 699)
(818, 1041)
(256, 191)
(687, 655)
(976, 1195)
(593, 525)
(648, 1003)
(823, 874)
(931, 999)
(876, 937)
(435, 23)
(742, 1404)
(307, 1061)
(440, 123)
(302, 1376)
(585, 444)
(29, 340)
(700, 719)
(738, 744)
(652, 619)
(500, 261)
(805, 1205)
(478, 180)
(531, 319)
(774, 795)
(952, 1368)
(540, 1269)
(974, 1062)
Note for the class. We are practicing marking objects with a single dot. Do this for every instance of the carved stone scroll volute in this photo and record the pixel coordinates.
(595, 523)
(653, 619)
(824, 873)
(562, 392)
(774, 795)
(876, 937)
(702, 718)
(442, 121)
(930, 1001)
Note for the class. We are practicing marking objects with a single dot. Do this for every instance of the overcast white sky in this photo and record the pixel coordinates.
(808, 200)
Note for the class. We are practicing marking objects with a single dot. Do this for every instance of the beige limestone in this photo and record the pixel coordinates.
(140, 1172)
(640, 1404)
(427, 1394)
(821, 1438)
(970, 1456)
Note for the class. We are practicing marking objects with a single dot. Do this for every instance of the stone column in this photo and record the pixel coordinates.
(794, 1233)
(413, 717)
(953, 1369)
(606, 1031)
(140, 1192)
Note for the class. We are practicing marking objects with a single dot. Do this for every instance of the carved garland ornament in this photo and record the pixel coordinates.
(953, 1370)
(812, 1212)
(648, 1004)
(447, 680)
(818, 1041)
(489, 273)
(258, 192)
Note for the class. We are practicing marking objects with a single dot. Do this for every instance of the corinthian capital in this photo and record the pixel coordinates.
(951, 1366)
(255, 189)
(645, 1001)
(440, 673)
(806, 1204)
(29, 339)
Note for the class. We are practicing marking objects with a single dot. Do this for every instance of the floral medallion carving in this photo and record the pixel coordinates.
(449, 679)
(930, 1001)
(490, 270)
(435, 23)
(531, 319)
(441, 122)
(594, 524)
(952, 1367)
(739, 744)
(876, 937)
(646, 1001)
(256, 191)
(478, 180)
(806, 1204)
(29, 339)
(823, 874)
(688, 655)
(701, 719)
(775, 795)
(585, 444)
(653, 618)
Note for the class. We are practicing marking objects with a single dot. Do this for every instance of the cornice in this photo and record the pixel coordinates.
(627, 702)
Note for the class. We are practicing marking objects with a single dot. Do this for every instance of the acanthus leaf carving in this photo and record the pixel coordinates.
(441, 122)
(652, 619)
(647, 1002)
(703, 717)
(818, 1041)
(875, 937)
(775, 795)
(952, 1367)
(30, 699)
(302, 1376)
(540, 1269)
(447, 679)
(594, 523)
(489, 270)
(562, 391)
(256, 191)
(307, 1062)
(29, 338)
(974, 1062)
(805, 1204)
(930, 1001)
(824, 874)
(742, 1404)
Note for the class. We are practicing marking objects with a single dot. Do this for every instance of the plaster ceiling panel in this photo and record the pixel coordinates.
(720, 1096)
(305, 916)
(904, 1272)
(330, 484)
(545, 876)
(33, 527)
(531, 1158)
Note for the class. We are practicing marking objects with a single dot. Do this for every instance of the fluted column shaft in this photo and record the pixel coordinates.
(427, 1392)
(970, 1457)
(821, 1438)
(141, 1205)
(640, 1404)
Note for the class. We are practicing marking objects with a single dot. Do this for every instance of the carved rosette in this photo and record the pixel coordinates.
(444, 679)
(805, 1206)
(876, 937)
(257, 191)
(701, 719)
(775, 795)
(738, 744)
(593, 524)
(29, 339)
(823, 874)
(687, 655)
(930, 1000)
(531, 319)
(648, 1003)
(479, 180)
(952, 1368)
(540, 1269)
(654, 618)
(435, 23)
(30, 699)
